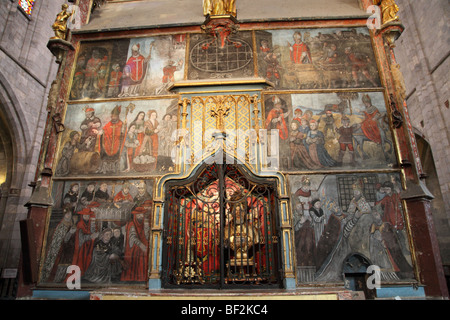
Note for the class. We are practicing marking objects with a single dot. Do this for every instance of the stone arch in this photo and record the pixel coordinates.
(15, 123)
(355, 263)
(355, 269)
(6, 164)
(16, 139)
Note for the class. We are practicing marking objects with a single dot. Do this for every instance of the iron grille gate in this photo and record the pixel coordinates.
(221, 231)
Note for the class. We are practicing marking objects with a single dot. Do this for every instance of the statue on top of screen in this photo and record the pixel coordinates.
(219, 7)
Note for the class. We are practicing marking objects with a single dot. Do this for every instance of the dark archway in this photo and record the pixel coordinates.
(6, 164)
(356, 274)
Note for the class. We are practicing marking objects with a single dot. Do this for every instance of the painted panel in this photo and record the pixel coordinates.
(317, 58)
(330, 131)
(128, 67)
(207, 60)
(102, 227)
(336, 216)
(118, 138)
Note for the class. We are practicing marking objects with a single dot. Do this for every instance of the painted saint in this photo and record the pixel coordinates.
(276, 119)
(299, 51)
(134, 71)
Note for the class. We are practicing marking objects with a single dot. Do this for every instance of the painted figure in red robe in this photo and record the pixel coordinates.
(136, 248)
(123, 195)
(137, 64)
(358, 63)
(370, 124)
(84, 240)
(170, 69)
(203, 229)
(115, 80)
(113, 135)
(134, 71)
(391, 204)
(92, 74)
(276, 119)
(300, 53)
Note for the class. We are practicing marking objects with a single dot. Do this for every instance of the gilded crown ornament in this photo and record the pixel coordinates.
(220, 112)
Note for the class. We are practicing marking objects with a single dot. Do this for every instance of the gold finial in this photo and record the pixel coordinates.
(219, 7)
(220, 112)
(389, 10)
(60, 24)
(255, 100)
(183, 103)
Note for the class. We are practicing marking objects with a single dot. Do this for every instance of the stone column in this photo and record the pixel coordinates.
(416, 197)
(41, 199)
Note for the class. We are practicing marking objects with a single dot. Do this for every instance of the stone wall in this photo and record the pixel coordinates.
(422, 52)
(27, 68)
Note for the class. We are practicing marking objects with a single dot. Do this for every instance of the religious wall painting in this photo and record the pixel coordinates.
(102, 227)
(128, 67)
(335, 216)
(330, 131)
(118, 138)
(208, 60)
(317, 58)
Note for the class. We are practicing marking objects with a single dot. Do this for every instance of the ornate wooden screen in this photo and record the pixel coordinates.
(221, 231)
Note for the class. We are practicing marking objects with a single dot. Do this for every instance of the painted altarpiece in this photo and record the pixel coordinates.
(326, 76)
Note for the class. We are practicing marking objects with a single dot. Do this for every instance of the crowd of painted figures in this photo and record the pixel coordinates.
(104, 230)
(116, 146)
(322, 140)
(327, 231)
